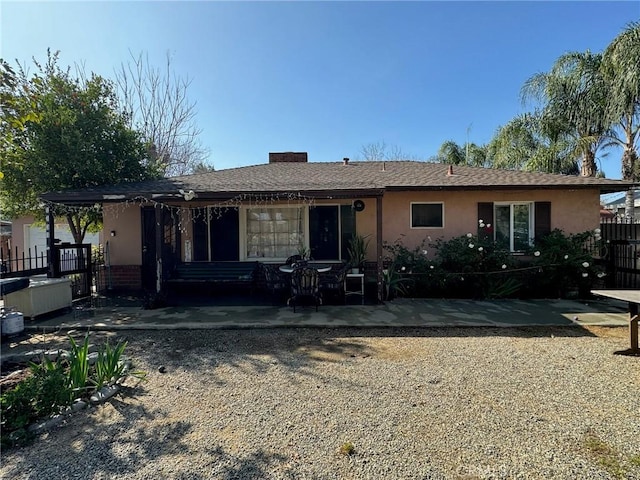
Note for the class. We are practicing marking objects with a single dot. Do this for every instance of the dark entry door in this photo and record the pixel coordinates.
(149, 248)
(225, 236)
(200, 240)
(324, 233)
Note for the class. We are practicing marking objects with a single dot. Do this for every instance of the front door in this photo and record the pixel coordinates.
(225, 235)
(324, 233)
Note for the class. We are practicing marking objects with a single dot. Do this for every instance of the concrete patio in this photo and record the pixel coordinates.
(398, 313)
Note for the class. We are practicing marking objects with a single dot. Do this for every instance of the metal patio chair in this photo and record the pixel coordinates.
(305, 287)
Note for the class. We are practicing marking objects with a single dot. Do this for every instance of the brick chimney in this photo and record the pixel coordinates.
(288, 157)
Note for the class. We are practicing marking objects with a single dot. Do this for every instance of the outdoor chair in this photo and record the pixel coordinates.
(332, 283)
(305, 287)
(277, 284)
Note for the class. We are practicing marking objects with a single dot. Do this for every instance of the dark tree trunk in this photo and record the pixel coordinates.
(629, 158)
(75, 225)
(588, 168)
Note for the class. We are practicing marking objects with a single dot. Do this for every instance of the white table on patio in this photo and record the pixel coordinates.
(632, 297)
(319, 268)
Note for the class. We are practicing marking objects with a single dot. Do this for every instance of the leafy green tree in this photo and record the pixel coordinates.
(63, 132)
(573, 94)
(202, 167)
(528, 143)
(621, 70)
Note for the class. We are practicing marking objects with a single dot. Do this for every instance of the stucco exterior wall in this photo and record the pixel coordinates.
(125, 248)
(17, 233)
(572, 211)
(366, 225)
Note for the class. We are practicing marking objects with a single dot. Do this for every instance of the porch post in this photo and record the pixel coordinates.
(53, 268)
(379, 248)
(159, 232)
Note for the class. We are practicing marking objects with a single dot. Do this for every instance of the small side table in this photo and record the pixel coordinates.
(360, 291)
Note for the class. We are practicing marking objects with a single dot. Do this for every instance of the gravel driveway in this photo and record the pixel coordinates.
(548, 403)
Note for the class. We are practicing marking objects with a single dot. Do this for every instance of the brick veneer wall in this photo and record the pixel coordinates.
(126, 276)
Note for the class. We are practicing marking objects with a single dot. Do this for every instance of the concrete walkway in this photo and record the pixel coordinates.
(398, 313)
(123, 314)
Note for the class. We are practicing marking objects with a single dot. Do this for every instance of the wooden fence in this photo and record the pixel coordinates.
(621, 240)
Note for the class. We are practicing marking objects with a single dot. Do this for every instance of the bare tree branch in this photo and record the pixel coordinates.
(377, 151)
(157, 105)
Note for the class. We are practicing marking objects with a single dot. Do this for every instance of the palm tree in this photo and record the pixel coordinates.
(621, 70)
(468, 154)
(573, 94)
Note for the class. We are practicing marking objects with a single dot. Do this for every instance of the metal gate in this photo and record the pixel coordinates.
(73, 261)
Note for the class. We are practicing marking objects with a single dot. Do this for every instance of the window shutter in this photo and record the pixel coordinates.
(485, 213)
(542, 219)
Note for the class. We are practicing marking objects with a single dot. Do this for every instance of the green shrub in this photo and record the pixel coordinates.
(41, 394)
(395, 282)
(472, 267)
(78, 361)
(52, 386)
(565, 265)
(109, 366)
(409, 272)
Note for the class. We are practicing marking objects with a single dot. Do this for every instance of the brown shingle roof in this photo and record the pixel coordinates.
(356, 176)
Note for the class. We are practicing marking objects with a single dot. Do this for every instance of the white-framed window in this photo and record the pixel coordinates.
(427, 215)
(514, 225)
(273, 232)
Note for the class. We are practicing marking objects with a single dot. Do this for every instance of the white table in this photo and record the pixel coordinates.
(290, 269)
(360, 291)
(632, 297)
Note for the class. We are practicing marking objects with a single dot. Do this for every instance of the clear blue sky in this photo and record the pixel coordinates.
(328, 78)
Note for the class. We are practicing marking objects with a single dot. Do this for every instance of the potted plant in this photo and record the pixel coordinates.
(358, 246)
(304, 252)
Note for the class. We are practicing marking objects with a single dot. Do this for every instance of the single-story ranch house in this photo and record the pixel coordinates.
(266, 212)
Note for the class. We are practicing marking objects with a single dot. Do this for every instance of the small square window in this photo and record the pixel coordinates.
(427, 215)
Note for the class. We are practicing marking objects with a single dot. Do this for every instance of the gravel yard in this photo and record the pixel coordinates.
(548, 403)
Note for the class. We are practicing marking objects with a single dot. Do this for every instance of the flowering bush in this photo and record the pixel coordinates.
(474, 266)
(408, 270)
(565, 265)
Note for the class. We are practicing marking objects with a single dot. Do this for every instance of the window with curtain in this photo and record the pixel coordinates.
(274, 232)
(514, 225)
(427, 215)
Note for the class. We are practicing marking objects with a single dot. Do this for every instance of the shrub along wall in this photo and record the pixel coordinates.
(472, 266)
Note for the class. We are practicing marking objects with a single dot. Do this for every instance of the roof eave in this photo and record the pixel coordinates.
(90, 198)
(605, 188)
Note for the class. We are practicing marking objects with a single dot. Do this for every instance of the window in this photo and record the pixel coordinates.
(514, 225)
(427, 215)
(274, 232)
